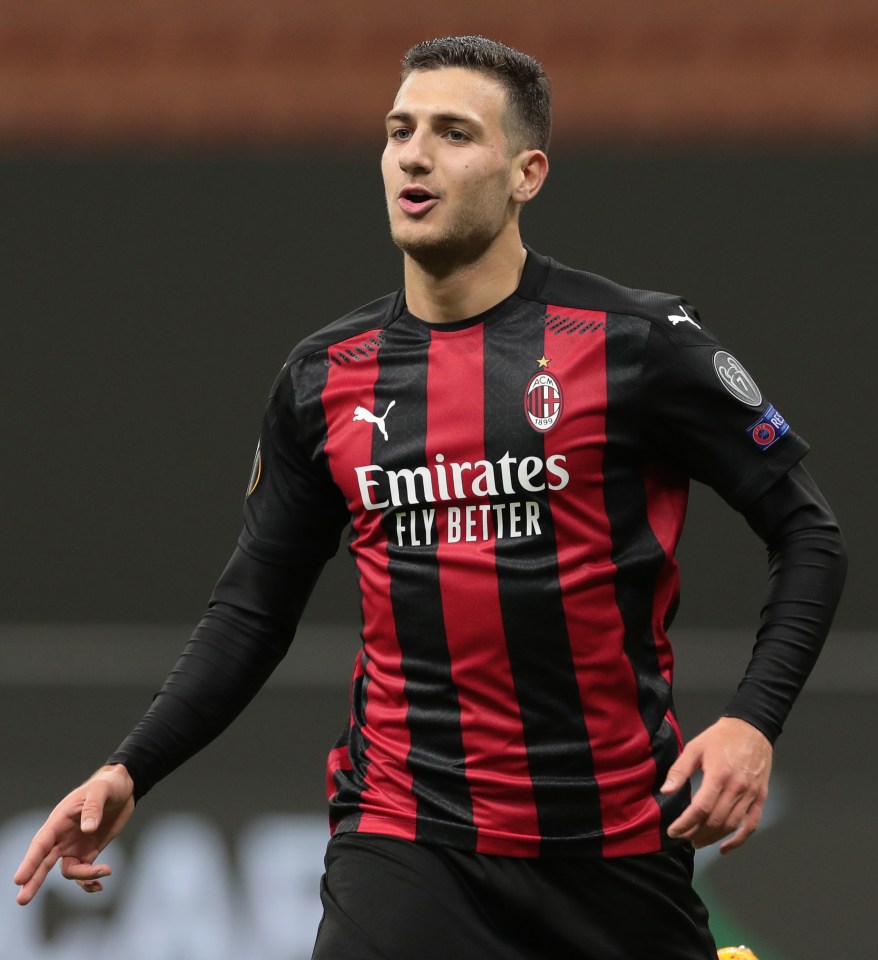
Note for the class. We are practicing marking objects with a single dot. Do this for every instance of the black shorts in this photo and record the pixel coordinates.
(387, 899)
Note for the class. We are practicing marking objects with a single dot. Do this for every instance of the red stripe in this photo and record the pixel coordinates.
(621, 751)
(388, 790)
(493, 738)
(338, 759)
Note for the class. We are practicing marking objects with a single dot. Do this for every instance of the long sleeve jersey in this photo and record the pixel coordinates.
(515, 486)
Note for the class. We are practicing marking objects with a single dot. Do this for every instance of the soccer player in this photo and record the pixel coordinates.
(511, 441)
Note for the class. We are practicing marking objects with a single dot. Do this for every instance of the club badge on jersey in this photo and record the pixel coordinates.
(543, 402)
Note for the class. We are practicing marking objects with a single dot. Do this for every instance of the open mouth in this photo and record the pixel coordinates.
(413, 200)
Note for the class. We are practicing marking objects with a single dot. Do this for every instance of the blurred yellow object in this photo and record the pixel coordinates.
(736, 953)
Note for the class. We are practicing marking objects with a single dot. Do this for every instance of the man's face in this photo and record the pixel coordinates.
(447, 168)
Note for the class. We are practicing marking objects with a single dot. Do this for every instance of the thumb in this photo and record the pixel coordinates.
(93, 807)
(681, 770)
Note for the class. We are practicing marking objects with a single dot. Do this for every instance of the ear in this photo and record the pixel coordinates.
(530, 169)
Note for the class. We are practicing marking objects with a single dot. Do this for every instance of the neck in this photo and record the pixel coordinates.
(460, 291)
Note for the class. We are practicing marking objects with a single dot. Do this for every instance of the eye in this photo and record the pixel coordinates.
(400, 133)
(457, 136)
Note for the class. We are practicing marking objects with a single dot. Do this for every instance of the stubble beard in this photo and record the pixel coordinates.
(464, 242)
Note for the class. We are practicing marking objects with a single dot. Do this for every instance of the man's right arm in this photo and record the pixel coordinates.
(294, 516)
(243, 636)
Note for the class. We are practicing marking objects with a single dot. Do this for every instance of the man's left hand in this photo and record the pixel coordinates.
(735, 759)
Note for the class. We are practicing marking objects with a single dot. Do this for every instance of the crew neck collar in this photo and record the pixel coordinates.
(532, 275)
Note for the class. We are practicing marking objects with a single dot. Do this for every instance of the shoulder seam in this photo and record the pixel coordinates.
(321, 348)
(602, 288)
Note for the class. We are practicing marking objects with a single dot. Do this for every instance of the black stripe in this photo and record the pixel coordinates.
(357, 741)
(556, 738)
(349, 784)
(637, 554)
(436, 759)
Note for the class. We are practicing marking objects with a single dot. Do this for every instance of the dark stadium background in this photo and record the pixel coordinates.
(156, 273)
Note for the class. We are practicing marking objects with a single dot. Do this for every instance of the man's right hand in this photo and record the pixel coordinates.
(82, 824)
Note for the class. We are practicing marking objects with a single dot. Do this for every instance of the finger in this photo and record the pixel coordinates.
(41, 847)
(681, 770)
(86, 872)
(73, 868)
(41, 856)
(739, 821)
(93, 806)
(34, 880)
(732, 809)
(709, 835)
(727, 813)
(692, 819)
(91, 886)
(737, 813)
(745, 830)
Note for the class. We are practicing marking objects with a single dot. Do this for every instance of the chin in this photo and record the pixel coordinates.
(439, 253)
(418, 245)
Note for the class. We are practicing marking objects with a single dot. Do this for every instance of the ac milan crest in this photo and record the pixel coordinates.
(543, 402)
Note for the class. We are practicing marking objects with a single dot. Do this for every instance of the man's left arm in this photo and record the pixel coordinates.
(807, 567)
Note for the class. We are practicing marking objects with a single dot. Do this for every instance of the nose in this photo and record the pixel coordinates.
(414, 155)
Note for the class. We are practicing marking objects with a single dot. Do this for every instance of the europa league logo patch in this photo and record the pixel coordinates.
(543, 402)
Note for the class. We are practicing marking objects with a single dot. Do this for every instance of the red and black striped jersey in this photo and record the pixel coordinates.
(516, 486)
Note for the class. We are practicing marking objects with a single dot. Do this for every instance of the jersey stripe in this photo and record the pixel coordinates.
(345, 761)
(387, 785)
(667, 496)
(491, 727)
(640, 560)
(576, 345)
(346, 758)
(539, 649)
(436, 755)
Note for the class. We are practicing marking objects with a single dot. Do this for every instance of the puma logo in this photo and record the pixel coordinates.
(361, 413)
(675, 318)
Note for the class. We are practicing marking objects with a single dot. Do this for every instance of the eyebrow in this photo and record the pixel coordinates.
(403, 117)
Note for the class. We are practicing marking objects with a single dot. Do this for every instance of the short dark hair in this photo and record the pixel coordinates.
(526, 83)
